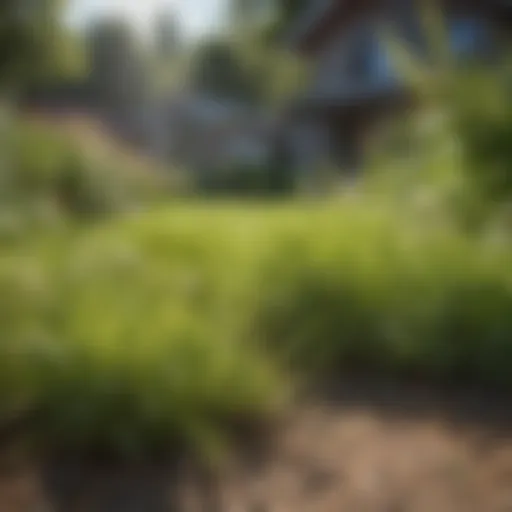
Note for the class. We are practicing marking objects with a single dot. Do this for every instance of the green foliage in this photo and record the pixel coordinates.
(218, 71)
(484, 128)
(130, 338)
(168, 37)
(118, 67)
(177, 325)
(458, 139)
(50, 175)
(360, 287)
(33, 44)
(268, 180)
(284, 12)
(291, 8)
(253, 41)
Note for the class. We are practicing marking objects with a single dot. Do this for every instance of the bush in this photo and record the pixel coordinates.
(181, 325)
(47, 163)
(248, 181)
(456, 143)
(364, 289)
(484, 128)
(130, 340)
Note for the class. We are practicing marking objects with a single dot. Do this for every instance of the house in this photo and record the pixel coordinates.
(60, 100)
(68, 101)
(193, 131)
(354, 82)
(204, 134)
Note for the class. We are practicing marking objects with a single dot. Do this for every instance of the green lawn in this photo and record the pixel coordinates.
(180, 323)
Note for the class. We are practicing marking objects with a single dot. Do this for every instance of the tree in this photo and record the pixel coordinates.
(256, 25)
(117, 68)
(218, 71)
(282, 12)
(251, 11)
(288, 9)
(120, 79)
(249, 66)
(167, 36)
(32, 41)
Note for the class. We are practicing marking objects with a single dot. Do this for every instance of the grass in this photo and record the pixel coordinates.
(126, 337)
(182, 323)
(54, 172)
(177, 326)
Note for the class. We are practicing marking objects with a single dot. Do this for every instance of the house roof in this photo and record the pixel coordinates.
(308, 18)
(322, 18)
(317, 22)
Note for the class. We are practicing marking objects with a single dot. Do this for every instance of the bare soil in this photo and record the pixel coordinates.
(363, 447)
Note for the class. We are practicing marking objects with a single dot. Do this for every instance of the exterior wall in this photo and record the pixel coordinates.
(355, 65)
(353, 72)
(197, 135)
(310, 144)
(317, 150)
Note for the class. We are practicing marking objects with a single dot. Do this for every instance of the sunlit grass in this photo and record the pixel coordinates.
(175, 324)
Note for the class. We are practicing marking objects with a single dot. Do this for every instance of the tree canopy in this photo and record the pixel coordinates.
(219, 71)
(118, 72)
(167, 36)
(33, 42)
(283, 12)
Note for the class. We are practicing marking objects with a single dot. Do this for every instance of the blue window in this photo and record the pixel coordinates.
(467, 35)
(370, 61)
(382, 66)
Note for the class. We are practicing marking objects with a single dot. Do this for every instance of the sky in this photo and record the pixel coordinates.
(198, 17)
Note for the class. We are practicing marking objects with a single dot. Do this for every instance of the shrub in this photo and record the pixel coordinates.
(82, 180)
(129, 339)
(367, 289)
(457, 140)
(248, 181)
(182, 324)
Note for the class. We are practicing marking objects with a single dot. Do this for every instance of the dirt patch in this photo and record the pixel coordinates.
(362, 448)
(332, 460)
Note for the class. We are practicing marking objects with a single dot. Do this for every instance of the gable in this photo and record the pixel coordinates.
(328, 19)
(324, 20)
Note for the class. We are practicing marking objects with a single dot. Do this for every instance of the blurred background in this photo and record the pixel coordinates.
(210, 209)
(253, 96)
